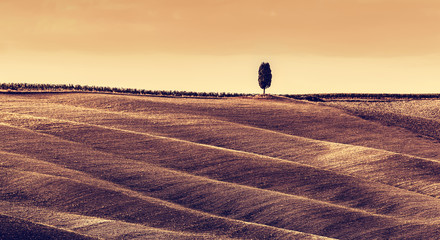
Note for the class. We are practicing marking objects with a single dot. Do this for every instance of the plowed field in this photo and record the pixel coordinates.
(105, 166)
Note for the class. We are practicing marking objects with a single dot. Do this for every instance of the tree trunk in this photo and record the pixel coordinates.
(264, 91)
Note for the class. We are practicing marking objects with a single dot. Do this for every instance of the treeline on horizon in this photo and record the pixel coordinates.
(383, 96)
(33, 87)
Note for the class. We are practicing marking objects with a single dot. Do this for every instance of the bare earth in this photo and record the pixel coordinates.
(103, 166)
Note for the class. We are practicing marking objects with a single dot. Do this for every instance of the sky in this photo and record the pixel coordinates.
(313, 46)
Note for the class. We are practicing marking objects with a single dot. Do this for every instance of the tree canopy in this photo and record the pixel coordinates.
(264, 76)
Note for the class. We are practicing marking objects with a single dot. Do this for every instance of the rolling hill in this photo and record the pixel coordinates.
(108, 166)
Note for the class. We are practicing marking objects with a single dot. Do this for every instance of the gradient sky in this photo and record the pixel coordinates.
(313, 46)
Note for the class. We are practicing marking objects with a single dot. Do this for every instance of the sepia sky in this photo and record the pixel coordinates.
(313, 46)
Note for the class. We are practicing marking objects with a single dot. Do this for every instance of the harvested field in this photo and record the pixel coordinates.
(87, 166)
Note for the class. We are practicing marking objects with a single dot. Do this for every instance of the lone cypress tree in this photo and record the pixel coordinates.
(264, 76)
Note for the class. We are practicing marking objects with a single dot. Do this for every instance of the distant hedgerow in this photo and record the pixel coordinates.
(31, 87)
(28, 87)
